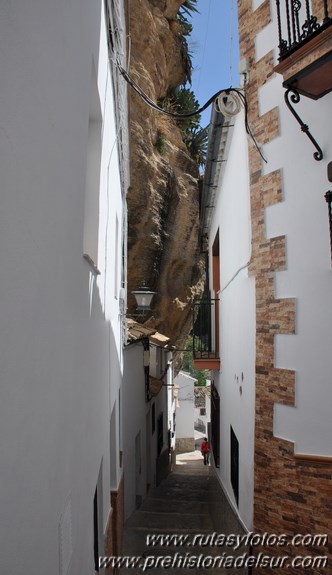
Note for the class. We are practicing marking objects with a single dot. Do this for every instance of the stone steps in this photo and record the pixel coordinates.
(179, 505)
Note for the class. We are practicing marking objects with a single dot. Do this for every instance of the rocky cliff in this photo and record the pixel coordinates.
(163, 199)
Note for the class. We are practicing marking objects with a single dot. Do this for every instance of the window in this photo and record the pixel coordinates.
(95, 532)
(216, 265)
(160, 434)
(98, 545)
(92, 179)
(153, 419)
(328, 197)
(235, 465)
(215, 424)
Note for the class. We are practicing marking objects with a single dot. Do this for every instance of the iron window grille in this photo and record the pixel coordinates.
(328, 197)
(235, 465)
(215, 425)
(297, 24)
(205, 315)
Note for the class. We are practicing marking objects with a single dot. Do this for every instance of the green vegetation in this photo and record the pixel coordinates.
(181, 99)
(196, 140)
(160, 143)
(185, 29)
(188, 364)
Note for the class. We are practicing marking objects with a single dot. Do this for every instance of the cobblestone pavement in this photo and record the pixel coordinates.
(178, 506)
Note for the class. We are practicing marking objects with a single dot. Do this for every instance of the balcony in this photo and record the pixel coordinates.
(305, 46)
(206, 334)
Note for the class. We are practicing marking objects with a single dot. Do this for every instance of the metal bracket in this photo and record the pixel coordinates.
(294, 96)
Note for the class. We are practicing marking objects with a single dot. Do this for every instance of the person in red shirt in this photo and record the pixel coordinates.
(205, 451)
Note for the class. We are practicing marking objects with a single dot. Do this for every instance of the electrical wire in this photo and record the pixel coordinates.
(225, 91)
(155, 106)
(204, 45)
(231, 43)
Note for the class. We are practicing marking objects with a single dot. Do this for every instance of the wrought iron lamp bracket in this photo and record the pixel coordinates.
(292, 95)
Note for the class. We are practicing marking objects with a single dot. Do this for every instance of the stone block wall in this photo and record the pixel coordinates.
(291, 495)
(185, 444)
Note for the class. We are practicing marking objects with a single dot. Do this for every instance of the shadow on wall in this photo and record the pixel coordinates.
(108, 358)
(223, 517)
(164, 463)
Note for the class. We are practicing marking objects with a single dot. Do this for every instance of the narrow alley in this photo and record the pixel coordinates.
(180, 509)
(166, 275)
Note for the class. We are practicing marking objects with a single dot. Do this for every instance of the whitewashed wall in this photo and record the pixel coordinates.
(302, 217)
(60, 336)
(236, 381)
(204, 419)
(136, 410)
(185, 413)
(138, 420)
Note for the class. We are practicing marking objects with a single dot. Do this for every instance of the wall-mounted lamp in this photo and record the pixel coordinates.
(143, 298)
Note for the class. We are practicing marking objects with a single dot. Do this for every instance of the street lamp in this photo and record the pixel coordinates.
(143, 298)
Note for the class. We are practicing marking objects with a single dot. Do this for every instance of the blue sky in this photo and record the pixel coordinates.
(213, 44)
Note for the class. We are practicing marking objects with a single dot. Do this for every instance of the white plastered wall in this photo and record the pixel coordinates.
(185, 413)
(302, 217)
(236, 381)
(60, 326)
(138, 420)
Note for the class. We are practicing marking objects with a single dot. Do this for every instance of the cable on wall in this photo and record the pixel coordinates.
(231, 43)
(224, 93)
(228, 104)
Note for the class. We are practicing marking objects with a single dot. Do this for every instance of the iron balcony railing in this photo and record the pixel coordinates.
(205, 329)
(297, 24)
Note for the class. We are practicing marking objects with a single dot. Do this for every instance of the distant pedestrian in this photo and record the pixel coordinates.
(205, 451)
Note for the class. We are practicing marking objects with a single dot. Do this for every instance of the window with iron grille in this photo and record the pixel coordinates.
(235, 465)
(328, 197)
(215, 425)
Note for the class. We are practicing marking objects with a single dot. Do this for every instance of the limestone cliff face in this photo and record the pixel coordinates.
(163, 199)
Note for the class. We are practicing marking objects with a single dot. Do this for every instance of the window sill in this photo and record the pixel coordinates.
(92, 264)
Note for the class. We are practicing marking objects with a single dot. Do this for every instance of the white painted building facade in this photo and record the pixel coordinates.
(235, 382)
(202, 407)
(149, 407)
(61, 220)
(185, 413)
(302, 217)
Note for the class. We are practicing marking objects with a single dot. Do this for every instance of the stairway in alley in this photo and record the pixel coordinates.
(178, 507)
